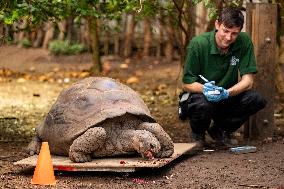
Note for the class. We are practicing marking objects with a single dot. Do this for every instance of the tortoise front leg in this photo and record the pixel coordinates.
(167, 145)
(34, 146)
(82, 147)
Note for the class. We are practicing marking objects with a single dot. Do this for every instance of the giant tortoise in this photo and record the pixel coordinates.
(98, 117)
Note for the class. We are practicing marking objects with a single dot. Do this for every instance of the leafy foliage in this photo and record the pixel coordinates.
(213, 9)
(35, 10)
(58, 47)
(42, 10)
(26, 43)
(210, 5)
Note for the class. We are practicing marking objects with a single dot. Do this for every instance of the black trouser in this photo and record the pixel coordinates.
(228, 114)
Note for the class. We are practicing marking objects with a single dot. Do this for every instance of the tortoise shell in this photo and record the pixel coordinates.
(85, 104)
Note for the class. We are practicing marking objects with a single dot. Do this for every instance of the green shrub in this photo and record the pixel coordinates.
(26, 43)
(58, 47)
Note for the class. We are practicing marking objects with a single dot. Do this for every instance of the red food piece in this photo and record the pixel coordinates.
(148, 154)
(122, 162)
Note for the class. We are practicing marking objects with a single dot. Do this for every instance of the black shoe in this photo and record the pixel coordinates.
(230, 140)
(221, 137)
(216, 134)
(199, 141)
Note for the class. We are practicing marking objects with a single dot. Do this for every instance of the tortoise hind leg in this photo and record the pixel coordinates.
(83, 146)
(167, 145)
(34, 146)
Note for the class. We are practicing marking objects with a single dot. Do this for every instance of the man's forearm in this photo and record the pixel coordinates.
(244, 84)
(193, 87)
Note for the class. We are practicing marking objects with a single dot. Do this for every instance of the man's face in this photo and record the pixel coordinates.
(225, 36)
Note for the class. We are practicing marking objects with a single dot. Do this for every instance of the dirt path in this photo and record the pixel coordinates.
(24, 102)
(219, 169)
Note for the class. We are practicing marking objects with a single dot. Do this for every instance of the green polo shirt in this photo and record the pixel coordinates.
(203, 57)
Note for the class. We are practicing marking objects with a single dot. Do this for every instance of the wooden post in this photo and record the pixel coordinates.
(261, 26)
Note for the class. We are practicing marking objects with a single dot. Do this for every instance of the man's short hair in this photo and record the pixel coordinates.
(231, 17)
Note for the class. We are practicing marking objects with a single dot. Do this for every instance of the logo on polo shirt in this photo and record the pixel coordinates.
(234, 61)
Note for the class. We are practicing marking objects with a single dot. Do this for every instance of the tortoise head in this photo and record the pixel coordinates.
(146, 144)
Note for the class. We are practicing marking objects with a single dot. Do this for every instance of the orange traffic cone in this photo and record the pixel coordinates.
(44, 173)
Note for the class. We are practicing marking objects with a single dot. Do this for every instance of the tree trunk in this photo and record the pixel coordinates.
(1, 29)
(147, 37)
(39, 38)
(85, 34)
(160, 40)
(170, 41)
(48, 34)
(201, 18)
(186, 20)
(2, 34)
(190, 24)
(130, 25)
(106, 43)
(279, 80)
(116, 44)
(69, 29)
(93, 33)
(32, 36)
(8, 32)
(62, 30)
(19, 36)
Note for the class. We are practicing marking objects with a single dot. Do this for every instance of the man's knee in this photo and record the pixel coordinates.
(253, 100)
(260, 101)
(199, 107)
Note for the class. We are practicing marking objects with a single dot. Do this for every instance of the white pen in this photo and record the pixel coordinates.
(214, 92)
(203, 78)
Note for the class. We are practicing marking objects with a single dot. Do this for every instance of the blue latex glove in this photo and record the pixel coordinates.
(214, 93)
(209, 87)
(224, 93)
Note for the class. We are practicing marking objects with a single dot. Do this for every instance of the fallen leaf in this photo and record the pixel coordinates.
(123, 66)
(84, 74)
(132, 80)
(32, 69)
(162, 86)
(156, 62)
(27, 77)
(42, 78)
(56, 69)
(66, 80)
(59, 81)
(127, 61)
(73, 74)
(106, 67)
(21, 80)
(138, 73)
(51, 80)
(8, 73)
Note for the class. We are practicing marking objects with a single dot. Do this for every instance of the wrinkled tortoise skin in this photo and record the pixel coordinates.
(99, 117)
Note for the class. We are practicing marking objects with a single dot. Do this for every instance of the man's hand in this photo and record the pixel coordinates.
(214, 93)
(224, 94)
(209, 86)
